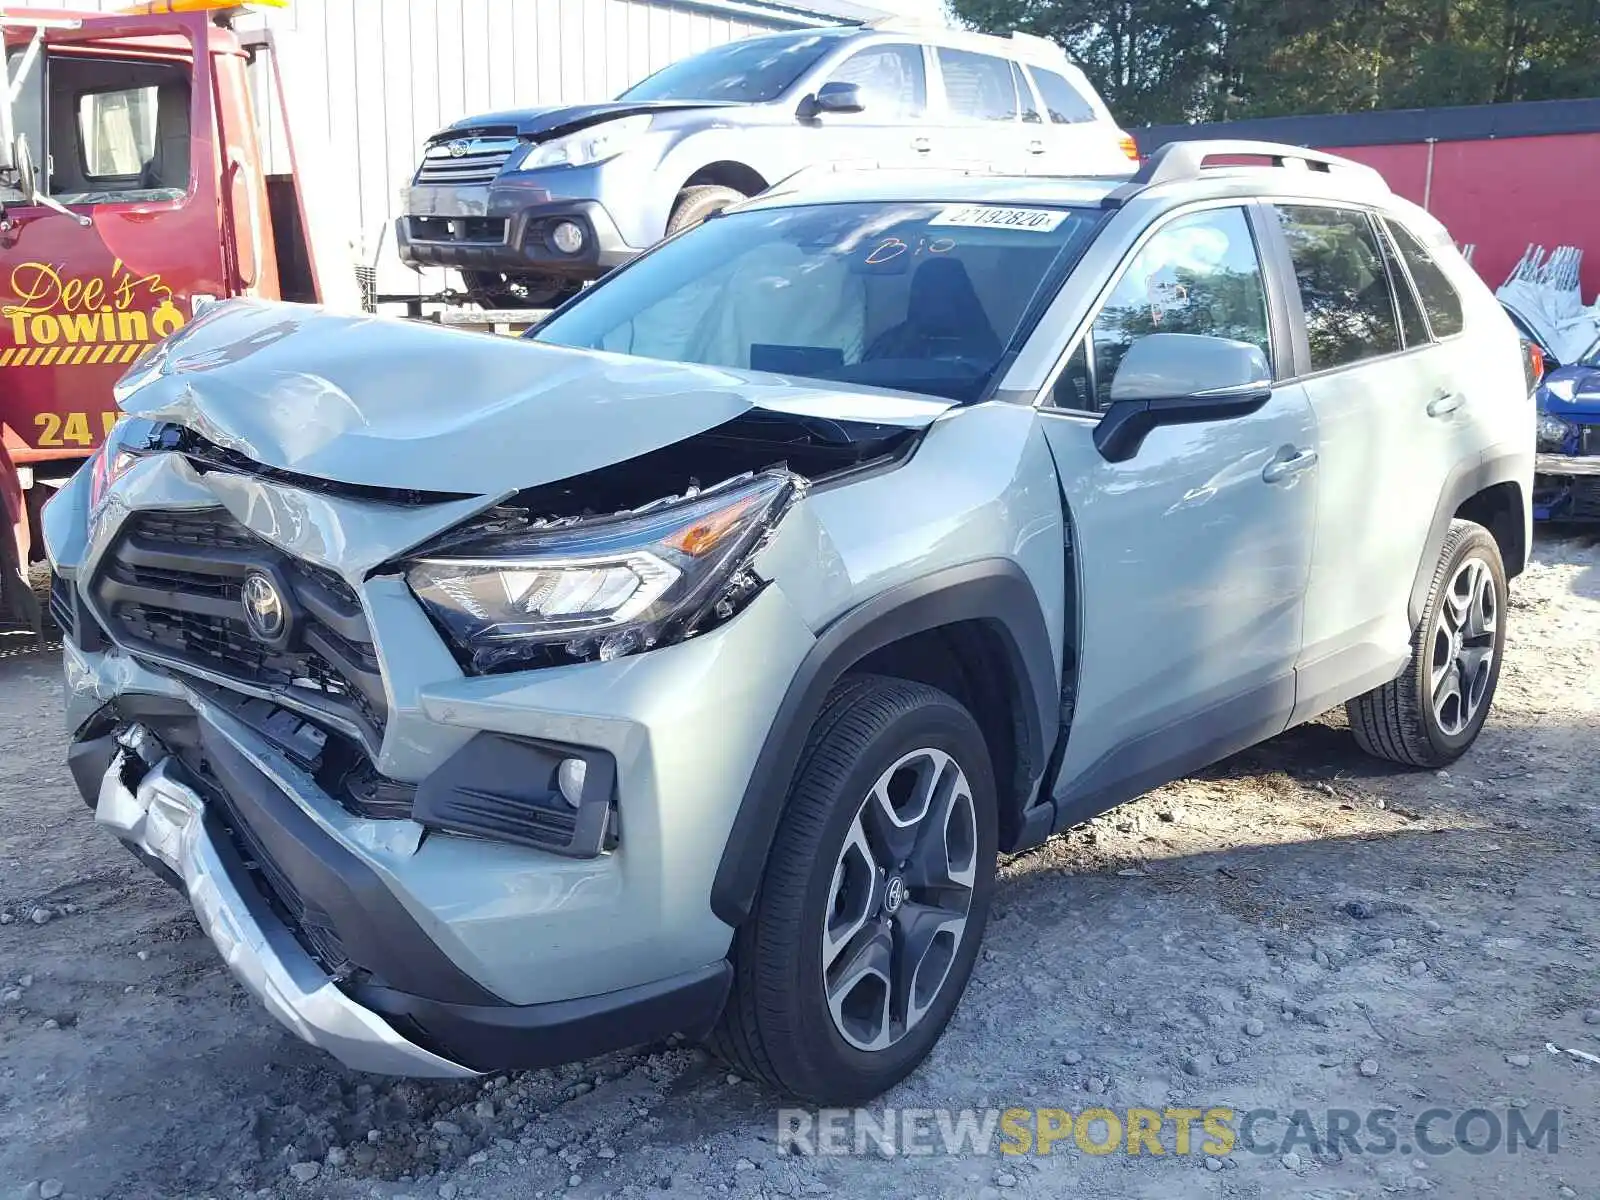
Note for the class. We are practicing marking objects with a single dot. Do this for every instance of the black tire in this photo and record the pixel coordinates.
(1398, 721)
(496, 289)
(777, 1025)
(695, 204)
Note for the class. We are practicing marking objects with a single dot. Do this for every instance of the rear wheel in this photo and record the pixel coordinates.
(1433, 712)
(695, 204)
(874, 899)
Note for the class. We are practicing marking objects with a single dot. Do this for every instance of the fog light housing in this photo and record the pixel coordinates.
(567, 236)
(570, 777)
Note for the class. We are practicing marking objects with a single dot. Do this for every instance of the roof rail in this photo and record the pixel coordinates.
(1178, 161)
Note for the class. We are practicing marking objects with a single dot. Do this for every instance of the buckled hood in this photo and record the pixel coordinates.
(389, 403)
(542, 123)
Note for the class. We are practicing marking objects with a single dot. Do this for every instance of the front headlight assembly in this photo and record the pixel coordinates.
(601, 587)
(591, 145)
(1554, 432)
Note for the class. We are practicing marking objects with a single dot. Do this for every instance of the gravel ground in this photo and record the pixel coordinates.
(1298, 928)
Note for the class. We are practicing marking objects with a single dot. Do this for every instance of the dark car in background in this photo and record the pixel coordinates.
(1567, 484)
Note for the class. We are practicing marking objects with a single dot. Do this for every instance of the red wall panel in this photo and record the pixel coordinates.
(1503, 194)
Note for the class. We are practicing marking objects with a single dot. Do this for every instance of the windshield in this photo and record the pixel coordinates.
(752, 70)
(911, 296)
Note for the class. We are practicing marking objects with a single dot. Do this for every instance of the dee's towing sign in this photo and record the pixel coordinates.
(57, 321)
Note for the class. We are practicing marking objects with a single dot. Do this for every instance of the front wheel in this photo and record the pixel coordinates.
(695, 204)
(874, 899)
(1433, 712)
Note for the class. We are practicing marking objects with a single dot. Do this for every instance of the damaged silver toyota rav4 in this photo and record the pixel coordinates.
(686, 666)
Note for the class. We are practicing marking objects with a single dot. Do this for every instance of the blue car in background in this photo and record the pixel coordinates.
(1566, 486)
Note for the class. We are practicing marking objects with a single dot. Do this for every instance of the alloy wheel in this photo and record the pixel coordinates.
(1462, 658)
(901, 893)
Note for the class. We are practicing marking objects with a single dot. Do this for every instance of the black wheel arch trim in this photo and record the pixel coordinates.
(994, 591)
(1465, 482)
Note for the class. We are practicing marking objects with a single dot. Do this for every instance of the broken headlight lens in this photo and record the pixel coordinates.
(1554, 432)
(602, 587)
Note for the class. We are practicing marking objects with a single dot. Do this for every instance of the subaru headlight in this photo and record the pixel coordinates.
(601, 587)
(594, 144)
(1553, 431)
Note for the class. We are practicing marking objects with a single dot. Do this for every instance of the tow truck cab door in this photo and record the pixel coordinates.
(146, 140)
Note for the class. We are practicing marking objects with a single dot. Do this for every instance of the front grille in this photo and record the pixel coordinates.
(1589, 439)
(172, 583)
(465, 161)
(487, 231)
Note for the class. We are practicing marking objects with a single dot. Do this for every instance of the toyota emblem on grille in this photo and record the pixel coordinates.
(458, 149)
(264, 610)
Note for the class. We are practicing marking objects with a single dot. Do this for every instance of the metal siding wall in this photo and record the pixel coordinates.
(387, 73)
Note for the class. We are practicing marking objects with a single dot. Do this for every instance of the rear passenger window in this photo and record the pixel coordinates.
(1197, 274)
(891, 78)
(1030, 110)
(1344, 288)
(1065, 104)
(978, 86)
(1412, 327)
(1439, 299)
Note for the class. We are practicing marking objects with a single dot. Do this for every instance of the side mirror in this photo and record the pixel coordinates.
(831, 98)
(1179, 379)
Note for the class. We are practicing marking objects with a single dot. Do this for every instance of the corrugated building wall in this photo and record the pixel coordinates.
(372, 78)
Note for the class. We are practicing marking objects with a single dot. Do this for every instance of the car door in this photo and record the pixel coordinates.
(891, 126)
(982, 113)
(1192, 556)
(1385, 454)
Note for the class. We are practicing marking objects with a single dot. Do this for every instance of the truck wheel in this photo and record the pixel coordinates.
(496, 289)
(695, 204)
(874, 899)
(1432, 713)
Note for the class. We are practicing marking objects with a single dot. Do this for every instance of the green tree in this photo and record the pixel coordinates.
(1196, 60)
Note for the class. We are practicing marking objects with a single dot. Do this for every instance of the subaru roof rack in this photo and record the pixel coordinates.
(1179, 161)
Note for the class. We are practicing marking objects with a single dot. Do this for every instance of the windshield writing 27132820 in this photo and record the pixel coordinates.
(891, 248)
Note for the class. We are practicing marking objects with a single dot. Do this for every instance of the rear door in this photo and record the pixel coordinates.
(1386, 449)
(982, 121)
(128, 146)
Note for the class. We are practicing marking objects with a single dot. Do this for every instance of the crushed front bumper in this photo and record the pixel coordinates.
(165, 821)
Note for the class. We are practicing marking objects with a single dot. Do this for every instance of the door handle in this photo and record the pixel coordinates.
(921, 145)
(1280, 469)
(1036, 147)
(1446, 403)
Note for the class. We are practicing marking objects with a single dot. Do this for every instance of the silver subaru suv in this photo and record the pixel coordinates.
(529, 204)
(687, 665)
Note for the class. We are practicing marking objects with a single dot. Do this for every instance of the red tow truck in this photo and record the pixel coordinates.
(132, 194)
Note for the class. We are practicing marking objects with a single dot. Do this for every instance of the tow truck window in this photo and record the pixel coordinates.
(118, 130)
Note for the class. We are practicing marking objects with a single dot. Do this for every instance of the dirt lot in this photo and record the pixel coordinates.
(1300, 928)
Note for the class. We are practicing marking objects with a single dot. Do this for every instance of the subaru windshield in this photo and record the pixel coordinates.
(915, 297)
(752, 70)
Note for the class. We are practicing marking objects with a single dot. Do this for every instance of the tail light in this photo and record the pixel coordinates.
(1129, 147)
(1533, 364)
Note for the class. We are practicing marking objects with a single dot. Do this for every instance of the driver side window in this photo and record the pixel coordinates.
(1198, 274)
(116, 130)
(891, 78)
